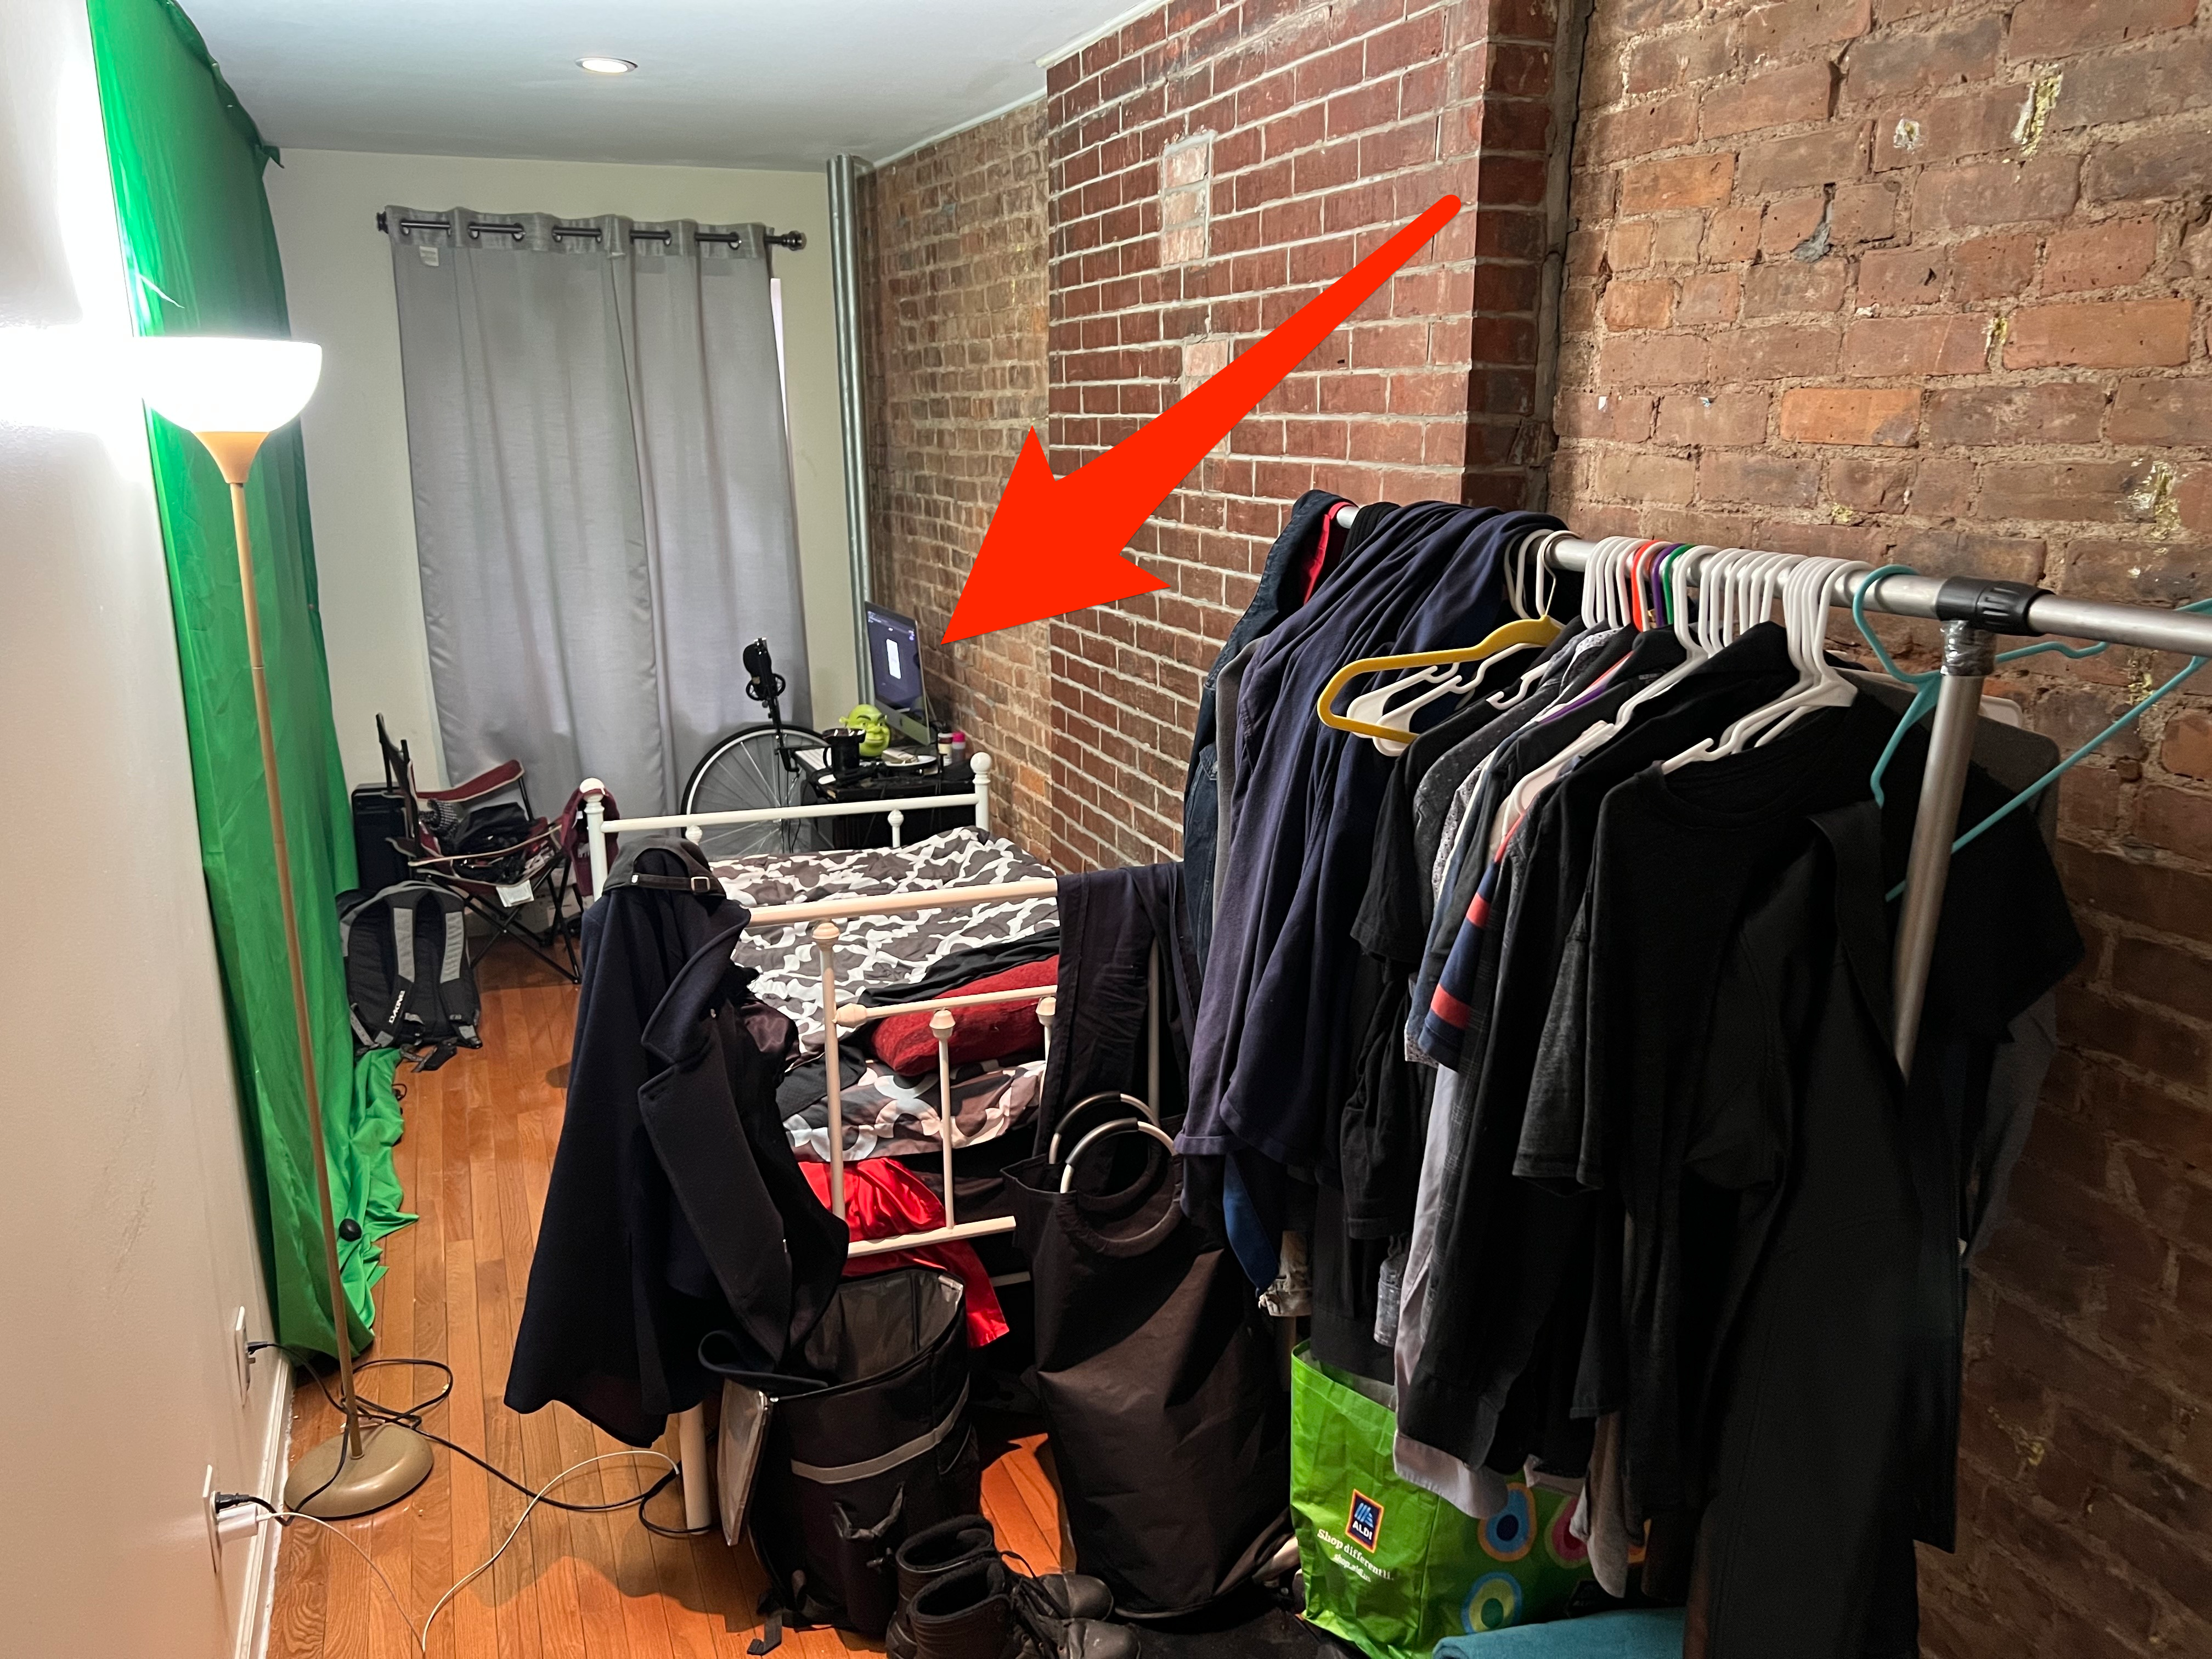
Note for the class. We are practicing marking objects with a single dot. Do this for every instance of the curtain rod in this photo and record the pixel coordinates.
(795, 240)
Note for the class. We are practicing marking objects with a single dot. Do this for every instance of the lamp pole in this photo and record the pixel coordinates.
(230, 394)
(233, 453)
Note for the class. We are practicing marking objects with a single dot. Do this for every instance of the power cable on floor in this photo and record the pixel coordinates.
(421, 1637)
(410, 1417)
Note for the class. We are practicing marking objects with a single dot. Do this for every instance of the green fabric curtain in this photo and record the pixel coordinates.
(187, 164)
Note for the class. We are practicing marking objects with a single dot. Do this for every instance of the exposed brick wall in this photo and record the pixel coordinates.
(1927, 283)
(954, 292)
(1214, 165)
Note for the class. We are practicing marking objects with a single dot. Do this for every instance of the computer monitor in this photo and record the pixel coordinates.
(894, 673)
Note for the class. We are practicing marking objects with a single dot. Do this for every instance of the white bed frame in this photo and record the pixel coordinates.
(849, 1017)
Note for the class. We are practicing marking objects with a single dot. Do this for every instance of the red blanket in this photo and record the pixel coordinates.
(996, 1031)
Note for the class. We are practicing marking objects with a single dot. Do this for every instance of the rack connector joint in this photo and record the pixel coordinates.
(1994, 607)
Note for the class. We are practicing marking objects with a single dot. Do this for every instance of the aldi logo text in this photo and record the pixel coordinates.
(1364, 1524)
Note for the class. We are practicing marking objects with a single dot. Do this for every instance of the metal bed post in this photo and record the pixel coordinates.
(697, 1471)
(825, 939)
(595, 834)
(941, 1024)
(1969, 654)
(979, 772)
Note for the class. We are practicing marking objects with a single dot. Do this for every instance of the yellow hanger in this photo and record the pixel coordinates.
(1529, 631)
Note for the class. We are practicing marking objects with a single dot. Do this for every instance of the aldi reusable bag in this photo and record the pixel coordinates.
(1395, 1569)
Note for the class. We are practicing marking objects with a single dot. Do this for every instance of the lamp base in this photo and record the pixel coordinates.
(394, 1460)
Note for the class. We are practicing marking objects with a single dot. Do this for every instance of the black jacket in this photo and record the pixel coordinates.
(1278, 595)
(634, 1268)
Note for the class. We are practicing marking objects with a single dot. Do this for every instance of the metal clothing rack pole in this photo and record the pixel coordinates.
(1973, 611)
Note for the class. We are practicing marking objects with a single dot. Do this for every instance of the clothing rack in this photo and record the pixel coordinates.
(795, 240)
(1973, 611)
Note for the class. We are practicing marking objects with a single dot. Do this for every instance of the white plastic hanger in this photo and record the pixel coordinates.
(1685, 565)
(1804, 585)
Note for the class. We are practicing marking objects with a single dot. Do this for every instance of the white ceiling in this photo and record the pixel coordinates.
(746, 83)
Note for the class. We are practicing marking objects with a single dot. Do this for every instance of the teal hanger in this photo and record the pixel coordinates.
(1924, 688)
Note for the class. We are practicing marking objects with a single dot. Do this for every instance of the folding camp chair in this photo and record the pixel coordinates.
(481, 842)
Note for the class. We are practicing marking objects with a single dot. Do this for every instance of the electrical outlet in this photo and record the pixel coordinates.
(207, 1506)
(239, 1356)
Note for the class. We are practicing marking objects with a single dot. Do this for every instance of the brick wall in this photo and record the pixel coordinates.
(1926, 283)
(953, 283)
(1213, 165)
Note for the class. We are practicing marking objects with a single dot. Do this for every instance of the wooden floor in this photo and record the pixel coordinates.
(479, 1142)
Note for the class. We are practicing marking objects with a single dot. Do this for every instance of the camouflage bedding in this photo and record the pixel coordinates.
(884, 1113)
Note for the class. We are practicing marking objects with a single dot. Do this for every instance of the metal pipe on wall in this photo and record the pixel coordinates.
(845, 298)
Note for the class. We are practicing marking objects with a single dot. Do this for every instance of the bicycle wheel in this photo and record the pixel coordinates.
(753, 767)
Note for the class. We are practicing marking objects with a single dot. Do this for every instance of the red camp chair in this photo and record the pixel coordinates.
(480, 841)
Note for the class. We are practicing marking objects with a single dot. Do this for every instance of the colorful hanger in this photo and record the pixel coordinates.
(1527, 630)
(1925, 686)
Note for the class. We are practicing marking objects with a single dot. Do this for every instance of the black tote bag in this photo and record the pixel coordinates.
(1170, 1428)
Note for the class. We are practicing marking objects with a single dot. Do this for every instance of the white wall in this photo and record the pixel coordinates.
(337, 279)
(127, 1237)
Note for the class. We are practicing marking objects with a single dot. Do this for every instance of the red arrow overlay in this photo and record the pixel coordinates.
(1054, 544)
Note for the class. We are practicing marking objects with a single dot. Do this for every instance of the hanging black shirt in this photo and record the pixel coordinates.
(1676, 860)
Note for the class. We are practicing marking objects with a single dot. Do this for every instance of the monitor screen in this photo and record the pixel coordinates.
(894, 660)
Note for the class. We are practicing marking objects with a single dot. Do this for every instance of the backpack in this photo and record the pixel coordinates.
(409, 981)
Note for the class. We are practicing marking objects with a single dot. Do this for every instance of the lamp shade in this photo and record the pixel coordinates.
(208, 383)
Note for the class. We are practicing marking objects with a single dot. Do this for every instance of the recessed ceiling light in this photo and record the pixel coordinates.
(606, 65)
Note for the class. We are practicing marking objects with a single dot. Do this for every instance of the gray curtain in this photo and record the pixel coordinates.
(603, 504)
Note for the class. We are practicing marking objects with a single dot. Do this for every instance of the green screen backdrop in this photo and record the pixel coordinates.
(187, 162)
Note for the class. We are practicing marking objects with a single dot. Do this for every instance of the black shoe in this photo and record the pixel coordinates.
(966, 1540)
(1042, 1604)
(962, 1541)
(1072, 1594)
(985, 1612)
(969, 1614)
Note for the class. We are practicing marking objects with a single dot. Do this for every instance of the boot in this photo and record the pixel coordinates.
(1039, 1604)
(964, 1541)
(969, 1614)
(985, 1612)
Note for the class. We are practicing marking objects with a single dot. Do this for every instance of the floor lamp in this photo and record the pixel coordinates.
(231, 394)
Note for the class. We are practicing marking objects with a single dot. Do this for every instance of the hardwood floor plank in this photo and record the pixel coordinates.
(431, 1534)
(295, 1626)
(469, 1629)
(516, 1614)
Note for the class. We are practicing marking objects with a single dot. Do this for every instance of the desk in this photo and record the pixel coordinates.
(876, 782)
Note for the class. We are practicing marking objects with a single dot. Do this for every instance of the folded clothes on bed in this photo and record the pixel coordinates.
(996, 1031)
(888, 1116)
(807, 1083)
(963, 968)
